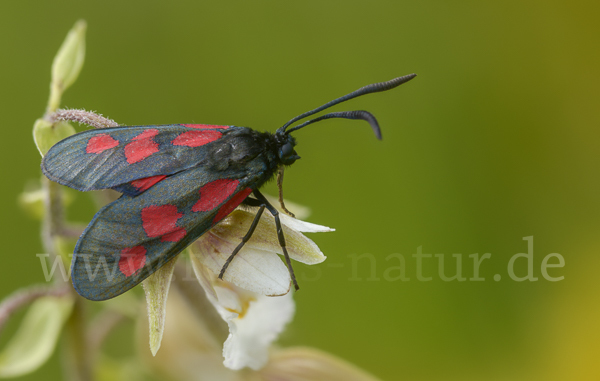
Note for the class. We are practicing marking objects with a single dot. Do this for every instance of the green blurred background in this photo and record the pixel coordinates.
(495, 140)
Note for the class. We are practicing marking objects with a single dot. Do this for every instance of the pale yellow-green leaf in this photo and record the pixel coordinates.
(36, 338)
(46, 134)
(67, 63)
(156, 287)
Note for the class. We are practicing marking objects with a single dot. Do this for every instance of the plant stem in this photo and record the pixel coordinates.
(76, 362)
(76, 359)
(82, 116)
(53, 221)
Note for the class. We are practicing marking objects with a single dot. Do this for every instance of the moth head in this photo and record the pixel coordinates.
(285, 149)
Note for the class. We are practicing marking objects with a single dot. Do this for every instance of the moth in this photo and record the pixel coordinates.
(177, 181)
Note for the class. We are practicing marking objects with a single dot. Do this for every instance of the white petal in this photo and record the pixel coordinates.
(209, 282)
(300, 211)
(236, 225)
(205, 277)
(303, 226)
(254, 320)
(251, 335)
(254, 270)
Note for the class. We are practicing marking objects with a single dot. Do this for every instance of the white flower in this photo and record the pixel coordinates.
(244, 299)
(244, 316)
(256, 267)
(193, 341)
(254, 320)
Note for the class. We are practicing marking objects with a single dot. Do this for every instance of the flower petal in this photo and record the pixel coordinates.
(251, 335)
(236, 225)
(300, 211)
(254, 270)
(254, 320)
(205, 277)
(303, 226)
(156, 287)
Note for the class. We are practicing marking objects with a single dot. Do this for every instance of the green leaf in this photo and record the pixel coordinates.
(36, 337)
(46, 134)
(156, 287)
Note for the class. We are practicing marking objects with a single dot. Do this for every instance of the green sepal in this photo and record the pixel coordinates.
(46, 134)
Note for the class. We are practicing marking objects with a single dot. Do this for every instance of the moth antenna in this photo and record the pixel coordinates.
(280, 186)
(359, 114)
(372, 88)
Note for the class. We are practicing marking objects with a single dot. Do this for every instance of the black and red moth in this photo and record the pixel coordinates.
(178, 181)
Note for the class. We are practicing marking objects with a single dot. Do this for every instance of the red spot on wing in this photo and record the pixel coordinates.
(161, 221)
(214, 193)
(132, 260)
(196, 138)
(231, 204)
(101, 143)
(141, 146)
(205, 126)
(174, 236)
(146, 182)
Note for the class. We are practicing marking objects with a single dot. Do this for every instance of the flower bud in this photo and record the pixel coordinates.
(67, 63)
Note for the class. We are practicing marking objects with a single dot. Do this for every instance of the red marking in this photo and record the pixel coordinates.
(174, 236)
(214, 193)
(231, 205)
(146, 182)
(204, 126)
(141, 146)
(101, 143)
(132, 260)
(196, 138)
(161, 221)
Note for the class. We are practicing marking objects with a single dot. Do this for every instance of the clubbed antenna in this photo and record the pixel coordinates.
(360, 114)
(373, 88)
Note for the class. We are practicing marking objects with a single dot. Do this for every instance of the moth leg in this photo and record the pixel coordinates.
(244, 240)
(280, 186)
(280, 236)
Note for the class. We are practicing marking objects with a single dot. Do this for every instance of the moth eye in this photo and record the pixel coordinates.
(286, 150)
